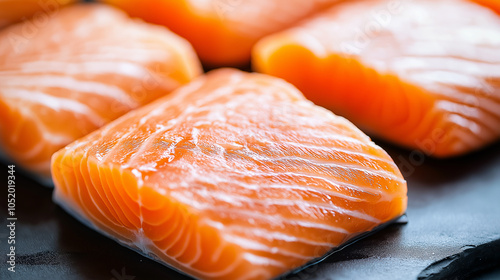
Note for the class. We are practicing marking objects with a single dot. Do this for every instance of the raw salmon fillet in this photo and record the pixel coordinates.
(88, 65)
(422, 74)
(223, 31)
(12, 11)
(234, 176)
(493, 4)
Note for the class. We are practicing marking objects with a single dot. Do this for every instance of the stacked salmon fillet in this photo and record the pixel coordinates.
(85, 66)
(223, 31)
(234, 176)
(423, 74)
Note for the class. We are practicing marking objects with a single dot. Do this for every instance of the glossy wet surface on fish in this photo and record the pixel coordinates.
(422, 74)
(234, 176)
(83, 67)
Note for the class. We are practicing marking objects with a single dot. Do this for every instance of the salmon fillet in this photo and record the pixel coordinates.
(233, 176)
(12, 11)
(88, 65)
(422, 74)
(223, 31)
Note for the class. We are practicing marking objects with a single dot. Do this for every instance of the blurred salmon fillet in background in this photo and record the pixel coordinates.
(223, 31)
(12, 11)
(86, 66)
(233, 176)
(423, 74)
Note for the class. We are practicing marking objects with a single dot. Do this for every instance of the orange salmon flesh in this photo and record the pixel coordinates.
(422, 74)
(85, 66)
(493, 4)
(223, 31)
(12, 11)
(233, 176)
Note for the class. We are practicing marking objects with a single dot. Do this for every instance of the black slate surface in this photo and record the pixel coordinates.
(453, 232)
